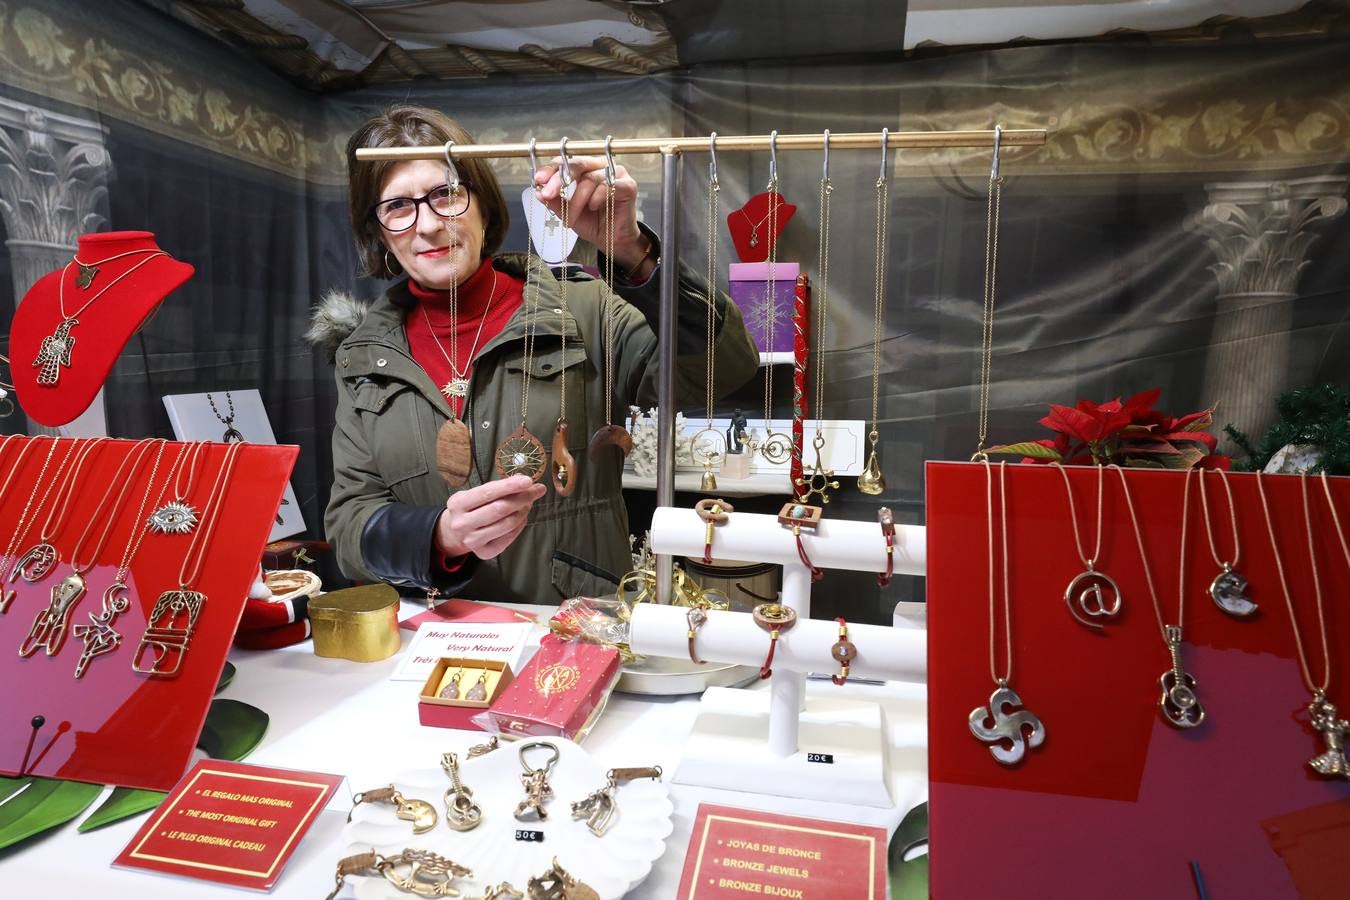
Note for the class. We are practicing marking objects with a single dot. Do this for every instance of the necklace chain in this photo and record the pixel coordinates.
(878, 298)
(1088, 562)
(709, 367)
(823, 301)
(1143, 553)
(22, 527)
(454, 328)
(181, 491)
(19, 528)
(61, 285)
(122, 480)
(771, 308)
(56, 517)
(1007, 601)
(1232, 515)
(226, 420)
(196, 553)
(533, 274)
(993, 207)
(564, 205)
(138, 533)
(610, 307)
(771, 214)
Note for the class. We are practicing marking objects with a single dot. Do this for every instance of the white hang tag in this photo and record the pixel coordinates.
(551, 241)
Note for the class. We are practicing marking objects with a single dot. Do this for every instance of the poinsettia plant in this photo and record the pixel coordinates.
(1128, 433)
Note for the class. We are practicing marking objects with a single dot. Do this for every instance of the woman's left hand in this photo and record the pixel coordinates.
(586, 209)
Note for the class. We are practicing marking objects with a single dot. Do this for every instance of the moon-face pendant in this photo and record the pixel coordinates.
(421, 813)
(1228, 590)
(521, 454)
(609, 436)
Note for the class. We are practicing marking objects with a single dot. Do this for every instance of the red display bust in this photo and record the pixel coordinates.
(70, 328)
(753, 231)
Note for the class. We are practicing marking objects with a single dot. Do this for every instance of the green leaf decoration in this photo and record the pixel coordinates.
(226, 676)
(1027, 448)
(909, 879)
(232, 731)
(47, 803)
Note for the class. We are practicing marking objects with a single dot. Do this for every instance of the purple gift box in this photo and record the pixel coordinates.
(748, 292)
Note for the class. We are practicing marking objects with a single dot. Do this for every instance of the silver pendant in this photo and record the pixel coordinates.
(1228, 590)
(100, 637)
(994, 724)
(1180, 706)
(36, 564)
(168, 633)
(456, 389)
(86, 276)
(49, 627)
(54, 353)
(177, 517)
(1325, 721)
(1096, 597)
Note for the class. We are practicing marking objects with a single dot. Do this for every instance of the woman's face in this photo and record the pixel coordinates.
(437, 253)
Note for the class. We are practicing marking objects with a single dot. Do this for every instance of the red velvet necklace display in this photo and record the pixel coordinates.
(749, 225)
(71, 326)
(430, 337)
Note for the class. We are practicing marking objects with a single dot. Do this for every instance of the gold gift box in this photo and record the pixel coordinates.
(359, 624)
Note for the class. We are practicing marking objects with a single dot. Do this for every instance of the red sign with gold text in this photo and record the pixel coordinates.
(736, 854)
(232, 823)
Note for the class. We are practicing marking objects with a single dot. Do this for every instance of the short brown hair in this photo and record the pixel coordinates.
(413, 126)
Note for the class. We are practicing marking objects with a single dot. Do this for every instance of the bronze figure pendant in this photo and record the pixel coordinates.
(521, 454)
(609, 436)
(564, 468)
(454, 452)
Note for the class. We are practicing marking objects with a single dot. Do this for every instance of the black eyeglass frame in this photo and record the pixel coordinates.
(417, 206)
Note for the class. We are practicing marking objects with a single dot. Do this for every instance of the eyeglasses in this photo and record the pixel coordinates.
(400, 213)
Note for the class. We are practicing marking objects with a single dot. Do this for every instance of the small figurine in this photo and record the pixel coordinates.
(736, 436)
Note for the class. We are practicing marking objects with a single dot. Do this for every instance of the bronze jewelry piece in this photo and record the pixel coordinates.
(521, 454)
(563, 468)
(421, 813)
(600, 808)
(483, 749)
(775, 619)
(461, 813)
(418, 872)
(537, 789)
(557, 884)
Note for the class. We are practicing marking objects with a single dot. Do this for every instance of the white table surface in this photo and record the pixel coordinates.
(330, 715)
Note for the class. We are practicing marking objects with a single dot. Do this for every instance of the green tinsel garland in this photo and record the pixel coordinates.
(1317, 414)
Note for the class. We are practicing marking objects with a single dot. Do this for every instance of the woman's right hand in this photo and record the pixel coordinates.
(484, 520)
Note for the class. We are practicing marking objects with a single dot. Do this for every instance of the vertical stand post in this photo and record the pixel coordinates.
(785, 689)
(668, 347)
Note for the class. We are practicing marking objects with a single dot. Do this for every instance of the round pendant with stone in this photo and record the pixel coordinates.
(521, 454)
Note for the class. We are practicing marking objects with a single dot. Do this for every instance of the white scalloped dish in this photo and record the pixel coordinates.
(613, 864)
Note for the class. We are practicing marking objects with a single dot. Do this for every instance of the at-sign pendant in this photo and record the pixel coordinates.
(1097, 597)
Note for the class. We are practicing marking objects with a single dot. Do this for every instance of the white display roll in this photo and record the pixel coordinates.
(834, 544)
(893, 654)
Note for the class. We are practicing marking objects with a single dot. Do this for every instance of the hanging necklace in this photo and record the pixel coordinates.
(995, 723)
(562, 467)
(1098, 595)
(99, 636)
(1228, 590)
(7, 595)
(776, 447)
(168, 630)
(1326, 721)
(609, 434)
(38, 561)
(232, 434)
(1179, 704)
(775, 200)
(179, 516)
(992, 210)
(457, 388)
(89, 270)
(708, 446)
(55, 349)
(871, 481)
(821, 480)
(49, 625)
(522, 453)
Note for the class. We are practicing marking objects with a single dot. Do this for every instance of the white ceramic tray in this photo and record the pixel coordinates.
(613, 864)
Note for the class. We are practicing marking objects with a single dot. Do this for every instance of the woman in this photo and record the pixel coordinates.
(392, 517)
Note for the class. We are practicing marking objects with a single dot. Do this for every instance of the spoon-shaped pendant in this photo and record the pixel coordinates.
(609, 436)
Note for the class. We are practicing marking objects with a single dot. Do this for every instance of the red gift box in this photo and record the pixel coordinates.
(439, 712)
(559, 692)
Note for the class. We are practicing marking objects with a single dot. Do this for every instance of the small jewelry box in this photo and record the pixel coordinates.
(444, 701)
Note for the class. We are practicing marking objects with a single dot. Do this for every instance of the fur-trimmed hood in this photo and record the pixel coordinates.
(337, 314)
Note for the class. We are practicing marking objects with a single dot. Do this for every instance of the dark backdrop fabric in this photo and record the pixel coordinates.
(1105, 286)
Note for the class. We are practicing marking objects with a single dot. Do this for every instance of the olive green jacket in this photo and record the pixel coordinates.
(387, 491)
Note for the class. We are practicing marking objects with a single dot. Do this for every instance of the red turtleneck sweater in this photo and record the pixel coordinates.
(488, 298)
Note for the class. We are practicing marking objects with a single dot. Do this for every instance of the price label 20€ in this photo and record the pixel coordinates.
(827, 758)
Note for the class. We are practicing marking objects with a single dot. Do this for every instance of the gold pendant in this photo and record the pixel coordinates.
(871, 481)
(535, 781)
(521, 454)
(177, 517)
(36, 563)
(422, 872)
(421, 813)
(85, 277)
(168, 632)
(776, 448)
(709, 482)
(454, 452)
(557, 884)
(100, 637)
(820, 480)
(49, 626)
(461, 813)
(54, 353)
(564, 467)
(456, 389)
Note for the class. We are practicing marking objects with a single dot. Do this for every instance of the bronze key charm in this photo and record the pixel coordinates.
(600, 808)
(461, 813)
(537, 789)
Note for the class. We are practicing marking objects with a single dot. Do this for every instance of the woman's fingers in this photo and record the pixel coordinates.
(495, 547)
(494, 530)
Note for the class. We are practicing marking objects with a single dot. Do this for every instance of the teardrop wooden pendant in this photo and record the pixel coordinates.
(609, 436)
(564, 467)
(521, 454)
(454, 452)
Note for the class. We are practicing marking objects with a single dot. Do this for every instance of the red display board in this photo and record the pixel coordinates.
(115, 725)
(1118, 803)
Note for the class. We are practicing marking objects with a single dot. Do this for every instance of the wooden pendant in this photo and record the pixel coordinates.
(564, 467)
(521, 454)
(609, 436)
(454, 452)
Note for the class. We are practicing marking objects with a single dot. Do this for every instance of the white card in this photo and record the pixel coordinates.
(499, 641)
(551, 241)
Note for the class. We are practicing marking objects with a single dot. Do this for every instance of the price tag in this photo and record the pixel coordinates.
(528, 835)
(827, 758)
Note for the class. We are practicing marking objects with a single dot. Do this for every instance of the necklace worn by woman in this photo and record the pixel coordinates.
(172, 620)
(55, 350)
(1097, 595)
(1179, 704)
(1228, 590)
(457, 388)
(994, 724)
(1325, 718)
(49, 625)
(37, 562)
(232, 435)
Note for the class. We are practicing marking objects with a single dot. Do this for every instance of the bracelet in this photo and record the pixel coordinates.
(695, 617)
(797, 516)
(843, 652)
(887, 531)
(775, 619)
(651, 249)
(712, 512)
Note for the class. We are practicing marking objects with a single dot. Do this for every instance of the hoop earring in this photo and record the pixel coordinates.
(389, 266)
